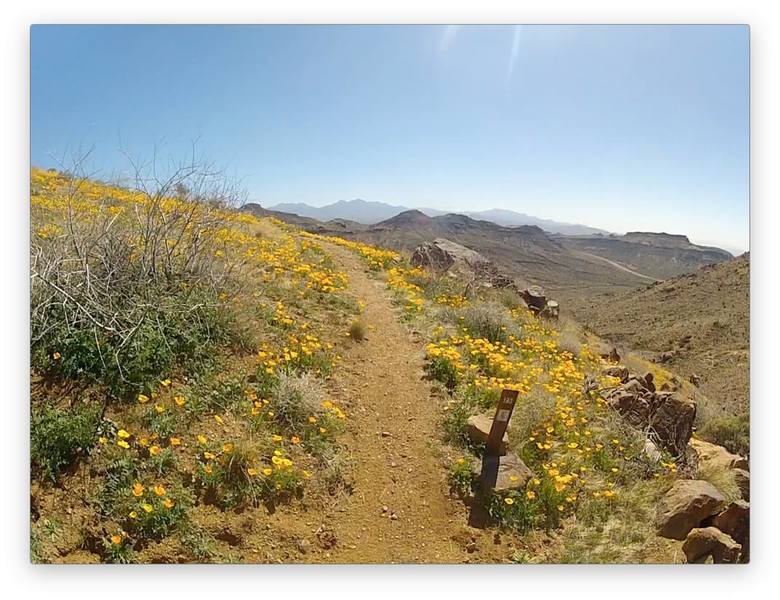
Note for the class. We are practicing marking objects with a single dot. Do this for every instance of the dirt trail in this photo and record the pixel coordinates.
(621, 267)
(393, 431)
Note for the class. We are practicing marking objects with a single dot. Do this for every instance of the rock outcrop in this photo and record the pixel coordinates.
(742, 479)
(667, 416)
(686, 506)
(705, 542)
(718, 457)
(441, 254)
(735, 522)
(444, 256)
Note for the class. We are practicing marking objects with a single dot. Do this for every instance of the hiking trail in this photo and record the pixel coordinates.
(400, 509)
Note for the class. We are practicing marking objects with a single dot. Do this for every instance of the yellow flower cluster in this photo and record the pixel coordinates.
(377, 258)
(410, 294)
(451, 300)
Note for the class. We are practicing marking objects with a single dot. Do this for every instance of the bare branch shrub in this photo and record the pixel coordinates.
(126, 280)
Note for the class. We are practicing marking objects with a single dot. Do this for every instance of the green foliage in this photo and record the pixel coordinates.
(161, 520)
(455, 422)
(512, 510)
(442, 369)
(121, 553)
(58, 436)
(198, 542)
(730, 431)
(180, 328)
(459, 476)
(233, 481)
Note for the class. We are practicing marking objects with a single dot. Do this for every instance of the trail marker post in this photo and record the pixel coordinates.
(491, 460)
(506, 404)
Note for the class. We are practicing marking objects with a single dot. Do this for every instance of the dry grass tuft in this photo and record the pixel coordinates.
(296, 398)
(357, 330)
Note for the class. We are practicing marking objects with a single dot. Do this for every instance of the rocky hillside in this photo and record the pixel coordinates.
(658, 255)
(526, 252)
(697, 323)
(569, 266)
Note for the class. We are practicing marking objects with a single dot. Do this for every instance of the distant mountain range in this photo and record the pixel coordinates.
(566, 264)
(369, 213)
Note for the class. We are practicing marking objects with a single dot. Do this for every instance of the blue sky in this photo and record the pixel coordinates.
(619, 127)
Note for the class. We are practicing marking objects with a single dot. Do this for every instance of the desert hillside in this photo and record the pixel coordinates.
(698, 324)
(211, 385)
(571, 266)
(659, 255)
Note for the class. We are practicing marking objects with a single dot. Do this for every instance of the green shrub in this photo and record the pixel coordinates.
(198, 542)
(512, 510)
(118, 549)
(178, 328)
(442, 369)
(459, 476)
(731, 432)
(58, 436)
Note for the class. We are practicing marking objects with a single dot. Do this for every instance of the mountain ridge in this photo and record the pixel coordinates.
(369, 212)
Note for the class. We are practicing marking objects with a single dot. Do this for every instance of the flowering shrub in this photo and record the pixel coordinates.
(195, 392)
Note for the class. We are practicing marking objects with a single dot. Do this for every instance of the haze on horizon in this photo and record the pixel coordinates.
(617, 127)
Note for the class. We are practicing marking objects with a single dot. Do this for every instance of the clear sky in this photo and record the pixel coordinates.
(618, 127)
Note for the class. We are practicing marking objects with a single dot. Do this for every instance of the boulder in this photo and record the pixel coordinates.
(551, 310)
(441, 254)
(535, 298)
(502, 474)
(704, 542)
(632, 406)
(685, 506)
(742, 479)
(478, 430)
(735, 521)
(651, 451)
(672, 421)
(718, 457)
(618, 371)
(445, 256)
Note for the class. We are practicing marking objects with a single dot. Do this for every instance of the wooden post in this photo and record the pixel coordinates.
(491, 460)
(506, 405)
